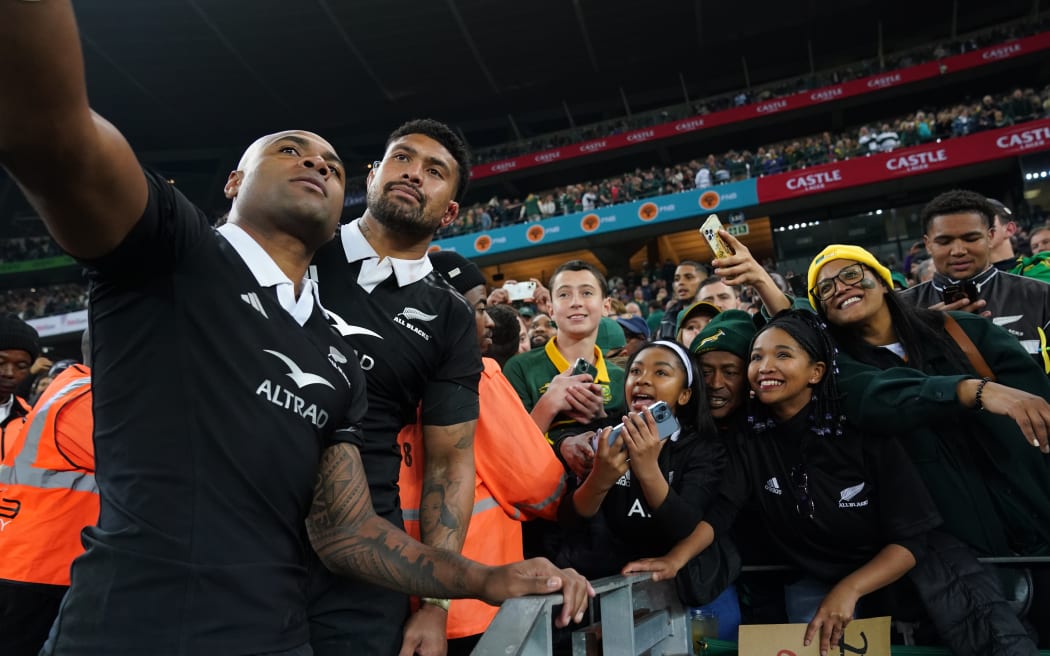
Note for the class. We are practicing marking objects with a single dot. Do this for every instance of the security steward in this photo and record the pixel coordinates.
(47, 490)
(19, 347)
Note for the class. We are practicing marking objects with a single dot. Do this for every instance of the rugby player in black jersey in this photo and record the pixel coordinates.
(220, 387)
(415, 338)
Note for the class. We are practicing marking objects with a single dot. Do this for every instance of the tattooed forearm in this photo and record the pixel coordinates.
(448, 485)
(352, 540)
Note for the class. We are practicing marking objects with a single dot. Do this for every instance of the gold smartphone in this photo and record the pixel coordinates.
(709, 230)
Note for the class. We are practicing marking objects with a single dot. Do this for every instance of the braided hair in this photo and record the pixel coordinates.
(811, 333)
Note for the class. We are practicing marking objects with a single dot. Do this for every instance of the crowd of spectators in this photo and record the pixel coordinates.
(638, 292)
(19, 249)
(758, 94)
(36, 302)
(738, 98)
(991, 111)
(922, 126)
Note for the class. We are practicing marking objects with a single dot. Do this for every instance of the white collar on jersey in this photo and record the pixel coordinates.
(356, 247)
(268, 274)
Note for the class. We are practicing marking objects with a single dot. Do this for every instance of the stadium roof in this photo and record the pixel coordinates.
(214, 74)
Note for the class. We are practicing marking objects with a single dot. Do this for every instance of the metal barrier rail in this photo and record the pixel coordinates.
(637, 615)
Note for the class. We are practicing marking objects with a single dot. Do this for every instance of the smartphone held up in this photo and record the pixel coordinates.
(709, 231)
(520, 291)
(666, 424)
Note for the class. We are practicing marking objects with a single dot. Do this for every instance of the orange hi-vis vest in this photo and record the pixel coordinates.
(47, 484)
(11, 427)
(517, 477)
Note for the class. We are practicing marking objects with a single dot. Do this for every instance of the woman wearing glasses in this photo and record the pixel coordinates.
(846, 508)
(903, 372)
(980, 445)
(963, 432)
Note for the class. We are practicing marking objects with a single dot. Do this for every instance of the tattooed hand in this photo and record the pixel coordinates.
(540, 576)
(352, 541)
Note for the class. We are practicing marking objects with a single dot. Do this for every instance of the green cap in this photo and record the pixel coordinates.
(699, 308)
(730, 330)
(899, 278)
(610, 335)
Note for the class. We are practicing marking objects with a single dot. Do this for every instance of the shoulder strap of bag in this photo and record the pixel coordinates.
(968, 347)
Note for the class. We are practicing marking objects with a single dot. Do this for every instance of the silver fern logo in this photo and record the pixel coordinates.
(403, 317)
(412, 314)
(847, 495)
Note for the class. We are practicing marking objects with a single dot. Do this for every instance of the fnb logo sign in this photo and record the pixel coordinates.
(1002, 52)
(916, 161)
(814, 181)
(884, 81)
(1035, 138)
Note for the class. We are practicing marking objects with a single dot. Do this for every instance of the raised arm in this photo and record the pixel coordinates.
(743, 269)
(73, 166)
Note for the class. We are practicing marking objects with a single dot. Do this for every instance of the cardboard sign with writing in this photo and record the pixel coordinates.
(869, 637)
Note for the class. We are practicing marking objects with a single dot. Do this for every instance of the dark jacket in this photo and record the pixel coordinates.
(965, 601)
(1019, 305)
(990, 485)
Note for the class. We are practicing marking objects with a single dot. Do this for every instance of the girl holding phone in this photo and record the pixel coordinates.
(845, 507)
(644, 494)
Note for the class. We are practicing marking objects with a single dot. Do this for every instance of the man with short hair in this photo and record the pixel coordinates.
(687, 278)
(19, 347)
(1040, 240)
(416, 343)
(1003, 229)
(957, 232)
(571, 404)
(541, 329)
(722, 347)
(715, 291)
(206, 488)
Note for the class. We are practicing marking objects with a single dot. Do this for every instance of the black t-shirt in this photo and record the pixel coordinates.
(212, 406)
(865, 493)
(692, 466)
(416, 342)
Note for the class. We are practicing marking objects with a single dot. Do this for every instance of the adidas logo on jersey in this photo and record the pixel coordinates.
(772, 485)
(252, 299)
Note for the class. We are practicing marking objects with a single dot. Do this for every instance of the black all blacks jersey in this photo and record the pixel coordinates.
(212, 406)
(416, 342)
